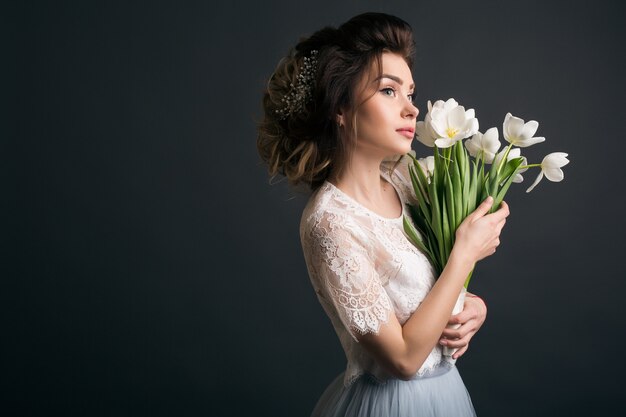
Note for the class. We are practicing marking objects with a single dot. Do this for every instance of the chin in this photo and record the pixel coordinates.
(404, 149)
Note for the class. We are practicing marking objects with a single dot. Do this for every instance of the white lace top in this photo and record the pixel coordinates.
(363, 268)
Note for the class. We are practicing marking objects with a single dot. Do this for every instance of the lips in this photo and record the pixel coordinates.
(408, 132)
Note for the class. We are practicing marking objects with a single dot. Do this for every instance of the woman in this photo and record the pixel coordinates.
(339, 115)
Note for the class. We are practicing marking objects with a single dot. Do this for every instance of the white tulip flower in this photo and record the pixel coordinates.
(443, 105)
(484, 145)
(424, 131)
(452, 122)
(551, 168)
(518, 133)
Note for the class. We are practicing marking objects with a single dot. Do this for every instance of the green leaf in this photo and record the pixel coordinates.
(414, 236)
(446, 237)
(508, 169)
(481, 184)
(441, 165)
(436, 218)
(458, 193)
(420, 193)
(515, 163)
(418, 217)
(461, 156)
(421, 175)
(466, 178)
(473, 187)
(432, 243)
(450, 192)
(492, 176)
(485, 190)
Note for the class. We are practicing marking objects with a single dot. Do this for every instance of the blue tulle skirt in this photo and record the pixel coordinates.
(438, 394)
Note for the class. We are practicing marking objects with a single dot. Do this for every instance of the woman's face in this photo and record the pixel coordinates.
(385, 122)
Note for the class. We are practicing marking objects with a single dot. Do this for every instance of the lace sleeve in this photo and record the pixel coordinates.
(340, 256)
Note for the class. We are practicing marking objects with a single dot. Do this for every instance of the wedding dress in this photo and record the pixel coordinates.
(363, 268)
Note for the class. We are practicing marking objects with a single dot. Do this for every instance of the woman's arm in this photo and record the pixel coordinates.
(403, 349)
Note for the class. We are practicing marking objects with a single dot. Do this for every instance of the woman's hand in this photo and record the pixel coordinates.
(479, 234)
(471, 319)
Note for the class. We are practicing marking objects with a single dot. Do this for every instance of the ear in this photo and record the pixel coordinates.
(340, 119)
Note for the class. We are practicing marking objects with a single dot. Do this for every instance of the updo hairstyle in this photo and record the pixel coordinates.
(307, 144)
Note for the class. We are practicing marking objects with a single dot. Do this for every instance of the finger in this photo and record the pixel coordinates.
(464, 316)
(503, 211)
(460, 352)
(461, 332)
(484, 208)
(450, 334)
(500, 225)
(456, 344)
(498, 216)
(469, 312)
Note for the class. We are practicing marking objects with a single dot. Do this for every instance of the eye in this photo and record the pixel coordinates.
(388, 91)
(411, 97)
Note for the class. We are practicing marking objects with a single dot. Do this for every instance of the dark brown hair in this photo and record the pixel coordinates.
(308, 144)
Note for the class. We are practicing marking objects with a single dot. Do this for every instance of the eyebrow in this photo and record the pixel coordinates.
(394, 78)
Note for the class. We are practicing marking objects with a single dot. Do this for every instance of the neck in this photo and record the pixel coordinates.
(360, 178)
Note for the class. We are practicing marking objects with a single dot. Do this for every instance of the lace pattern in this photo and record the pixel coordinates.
(363, 268)
(347, 275)
(366, 311)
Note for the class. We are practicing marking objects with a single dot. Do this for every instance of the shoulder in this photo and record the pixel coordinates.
(319, 206)
(327, 216)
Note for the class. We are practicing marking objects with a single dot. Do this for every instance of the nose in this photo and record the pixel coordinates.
(410, 111)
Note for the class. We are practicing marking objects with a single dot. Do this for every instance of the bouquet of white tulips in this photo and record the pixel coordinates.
(450, 185)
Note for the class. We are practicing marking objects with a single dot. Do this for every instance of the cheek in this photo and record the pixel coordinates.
(371, 120)
(369, 131)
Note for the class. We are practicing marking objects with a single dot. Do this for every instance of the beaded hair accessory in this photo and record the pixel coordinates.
(301, 92)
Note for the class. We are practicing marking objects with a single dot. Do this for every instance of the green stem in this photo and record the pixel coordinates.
(529, 166)
(446, 156)
(504, 157)
(482, 170)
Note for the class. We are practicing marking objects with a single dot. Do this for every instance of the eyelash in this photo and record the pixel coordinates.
(410, 96)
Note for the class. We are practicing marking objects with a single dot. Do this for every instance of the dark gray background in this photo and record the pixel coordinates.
(152, 270)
